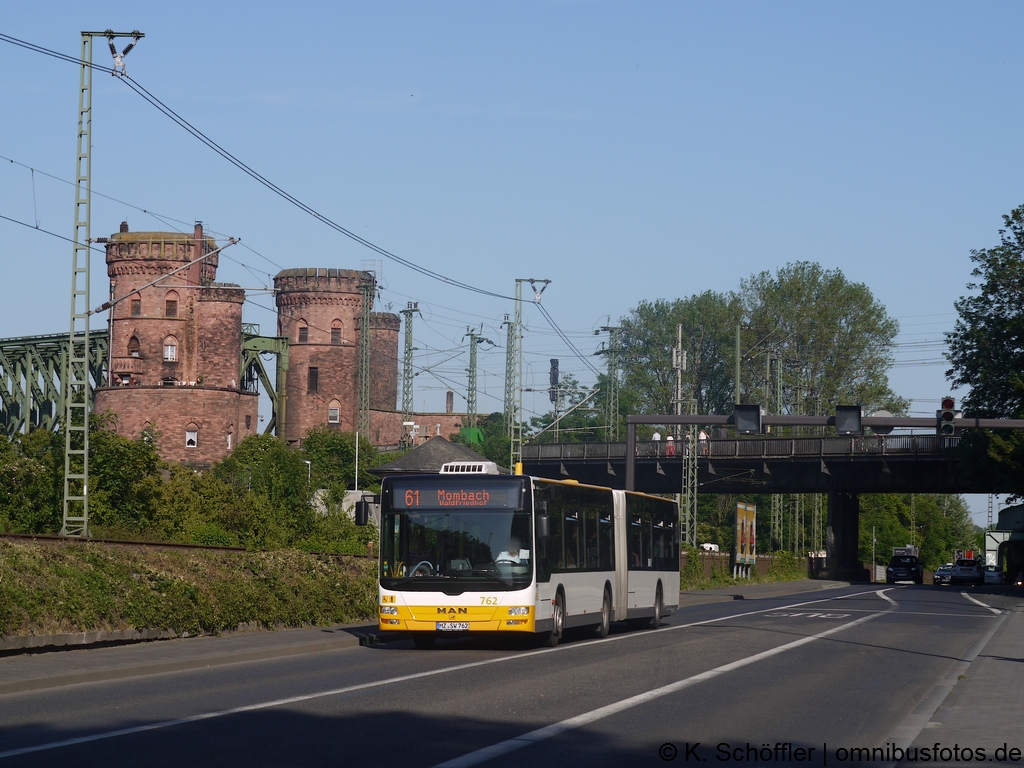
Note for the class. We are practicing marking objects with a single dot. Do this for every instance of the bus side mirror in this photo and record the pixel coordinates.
(543, 527)
(362, 512)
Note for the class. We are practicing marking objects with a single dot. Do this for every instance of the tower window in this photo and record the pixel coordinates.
(334, 412)
(313, 381)
(303, 334)
(133, 347)
(171, 308)
(170, 349)
(335, 335)
(136, 307)
(191, 438)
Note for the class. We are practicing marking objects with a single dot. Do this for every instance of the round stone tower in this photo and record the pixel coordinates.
(320, 312)
(175, 348)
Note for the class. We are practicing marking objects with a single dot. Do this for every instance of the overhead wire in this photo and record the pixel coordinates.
(139, 89)
(151, 99)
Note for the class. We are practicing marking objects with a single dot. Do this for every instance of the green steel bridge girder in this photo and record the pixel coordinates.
(253, 369)
(32, 395)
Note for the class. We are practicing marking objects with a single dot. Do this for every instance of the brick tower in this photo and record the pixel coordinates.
(320, 312)
(175, 347)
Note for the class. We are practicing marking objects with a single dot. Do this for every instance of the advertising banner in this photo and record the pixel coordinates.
(746, 534)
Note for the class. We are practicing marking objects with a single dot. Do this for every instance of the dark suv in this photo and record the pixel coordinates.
(904, 568)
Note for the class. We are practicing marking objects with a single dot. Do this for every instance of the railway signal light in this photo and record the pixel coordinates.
(747, 419)
(848, 420)
(947, 417)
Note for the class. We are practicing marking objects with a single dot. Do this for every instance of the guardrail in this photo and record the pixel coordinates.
(755, 448)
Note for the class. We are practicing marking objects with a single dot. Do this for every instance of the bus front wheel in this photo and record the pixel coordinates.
(557, 622)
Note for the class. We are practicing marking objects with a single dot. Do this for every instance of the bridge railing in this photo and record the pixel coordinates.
(754, 448)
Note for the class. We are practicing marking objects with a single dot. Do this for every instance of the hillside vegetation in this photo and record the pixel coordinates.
(57, 587)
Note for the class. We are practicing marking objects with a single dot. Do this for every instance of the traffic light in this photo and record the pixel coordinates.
(553, 380)
(947, 417)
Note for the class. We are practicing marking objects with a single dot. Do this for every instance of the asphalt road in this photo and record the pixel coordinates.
(822, 672)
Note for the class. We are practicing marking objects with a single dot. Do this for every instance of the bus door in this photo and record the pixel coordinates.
(621, 557)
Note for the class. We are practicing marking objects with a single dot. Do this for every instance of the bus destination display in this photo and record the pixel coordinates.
(456, 494)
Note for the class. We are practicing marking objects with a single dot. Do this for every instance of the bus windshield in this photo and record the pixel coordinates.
(444, 535)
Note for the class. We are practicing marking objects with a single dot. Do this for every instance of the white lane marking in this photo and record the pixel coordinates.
(907, 731)
(374, 684)
(978, 602)
(881, 594)
(556, 729)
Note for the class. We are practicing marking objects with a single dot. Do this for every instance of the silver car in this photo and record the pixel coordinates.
(993, 575)
(967, 572)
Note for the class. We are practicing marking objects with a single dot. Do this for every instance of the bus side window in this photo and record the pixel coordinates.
(606, 538)
(590, 536)
(571, 542)
(634, 533)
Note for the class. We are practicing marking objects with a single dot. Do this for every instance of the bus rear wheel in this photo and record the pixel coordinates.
(557, 622)
(658, 608)
(606, 615)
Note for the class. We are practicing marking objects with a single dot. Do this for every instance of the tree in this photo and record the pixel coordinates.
(648, 336)
(986, 354)
(986, 346)
(582, 425)
(333, 461)
(940, 525)
(496, 445)
(833, 341)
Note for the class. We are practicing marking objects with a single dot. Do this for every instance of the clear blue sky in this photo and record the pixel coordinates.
(625, 151)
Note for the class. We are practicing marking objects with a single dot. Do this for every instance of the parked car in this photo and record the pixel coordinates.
(904, 568)
(967, 572)
(993, 575)
(943, 574)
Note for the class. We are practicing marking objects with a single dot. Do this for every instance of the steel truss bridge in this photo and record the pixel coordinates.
(32, 369)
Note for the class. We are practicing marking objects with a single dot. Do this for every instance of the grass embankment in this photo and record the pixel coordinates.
(784, 567)
(51, 588)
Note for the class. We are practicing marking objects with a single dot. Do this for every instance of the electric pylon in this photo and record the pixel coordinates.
(75, 379)
(407, 375)
(368, 288)
(514, 370)
(474, 339)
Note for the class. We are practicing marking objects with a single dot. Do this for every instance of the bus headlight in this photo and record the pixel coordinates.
(518, 611)
(388, 610)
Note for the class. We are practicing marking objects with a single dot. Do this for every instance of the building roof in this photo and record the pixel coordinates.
(427, 458)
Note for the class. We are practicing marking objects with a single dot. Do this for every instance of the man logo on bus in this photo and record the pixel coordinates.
(453, 610)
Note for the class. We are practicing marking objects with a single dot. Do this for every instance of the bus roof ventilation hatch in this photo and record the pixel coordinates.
(469, 468)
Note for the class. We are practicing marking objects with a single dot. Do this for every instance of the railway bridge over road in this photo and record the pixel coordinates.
(842, 466)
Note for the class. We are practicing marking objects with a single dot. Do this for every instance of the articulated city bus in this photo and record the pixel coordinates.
(470, 551)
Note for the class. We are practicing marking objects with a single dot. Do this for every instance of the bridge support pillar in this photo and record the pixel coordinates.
(842, 536)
